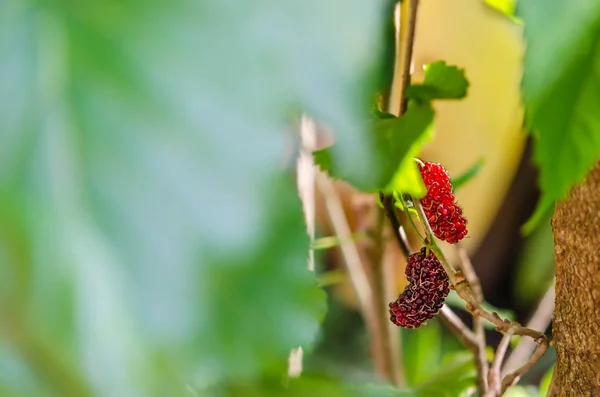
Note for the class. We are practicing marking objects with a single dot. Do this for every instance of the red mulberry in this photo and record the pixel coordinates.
(443, 213)
(424, 296)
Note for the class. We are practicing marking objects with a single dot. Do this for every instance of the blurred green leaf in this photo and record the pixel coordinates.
(307, 384)
(520, 391)
(145, 141)
(466, 176)
(397, 140)
(545, 382)
(331, 277)
(455, 376)
(562, 73)
(441, 82)
(328, 242)
(535, 264)
(421, 352)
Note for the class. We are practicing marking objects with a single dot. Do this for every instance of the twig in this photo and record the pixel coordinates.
(382, 287)
(494, 377)
(463, 289)
(357, 274)
(458, 328)
(413, 6)
(467, 268)
(390, 212)
(512, 378)
(352, 259)
(480, 354)
(388, 202)
(541, 319)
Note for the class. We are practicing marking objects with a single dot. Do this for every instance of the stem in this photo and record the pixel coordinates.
(541, 319)
(494, 377)
(480, 355)
(369, 296)
(458, 328)
(352, 259)
(383, 274)
(390, 212)
(431, 243)
(462, 287)
(413, 6)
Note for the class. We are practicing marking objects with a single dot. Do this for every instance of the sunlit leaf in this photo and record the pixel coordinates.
(441, 82)
(397, 140)
(146, 143)
(467, 175)
(562, 73)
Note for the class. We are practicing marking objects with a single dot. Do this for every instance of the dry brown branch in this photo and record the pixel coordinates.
(481, 361)
(494, 376)
(540, 319)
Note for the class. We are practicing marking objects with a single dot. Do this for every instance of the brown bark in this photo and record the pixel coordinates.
(576, 324)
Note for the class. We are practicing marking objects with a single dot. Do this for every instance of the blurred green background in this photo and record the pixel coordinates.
(152, 241)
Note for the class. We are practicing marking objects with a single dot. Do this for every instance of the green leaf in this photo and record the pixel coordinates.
(421, 352)
(466, 176)
(535, 264)
(328, 242)
(307, 385)
(520, 391)
(562, 73)
(455, 375)
(166, 242)
(545, 382)
(506, 7)
(441, 82)
(398, 140)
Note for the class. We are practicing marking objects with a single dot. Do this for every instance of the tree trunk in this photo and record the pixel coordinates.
(576, 324)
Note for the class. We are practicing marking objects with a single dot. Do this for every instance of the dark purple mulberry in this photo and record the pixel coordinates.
(425, 293)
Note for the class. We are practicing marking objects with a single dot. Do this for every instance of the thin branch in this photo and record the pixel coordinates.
(494, 377)
(480, 354)
(463, 290)
(455, 278)
(359, 280)
(413, 6)
(458, 328)
(512, 378)
(390, 212)
(356, 271)
(541, 319)
(481, 361)
(467, 268)
(383, 292)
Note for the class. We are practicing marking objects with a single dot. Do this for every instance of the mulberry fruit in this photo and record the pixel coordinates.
(443, 213)
(425, 293)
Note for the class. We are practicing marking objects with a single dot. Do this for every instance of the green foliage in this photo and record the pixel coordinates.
(455, 376)
(545, 382)
(421, 352)
(535, 264)
(398, 140)
(441, 82)
(562, 73)
(155, 240)
(307, 385)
